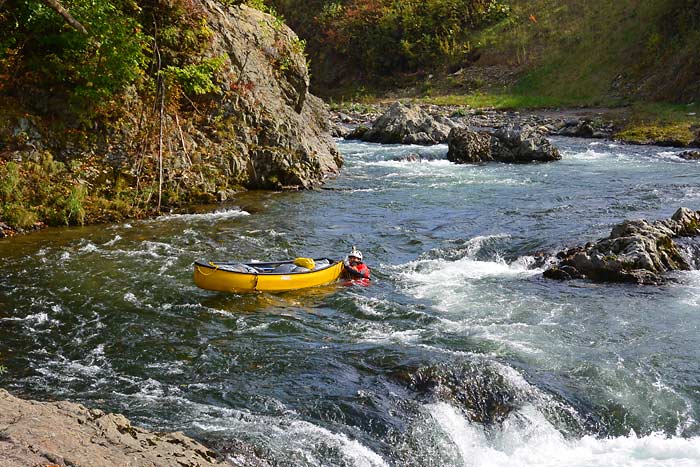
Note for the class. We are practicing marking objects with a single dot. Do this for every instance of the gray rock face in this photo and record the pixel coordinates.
(284, 130)
(511, 144)
(407, 125)
(67, 434)
(636, 251)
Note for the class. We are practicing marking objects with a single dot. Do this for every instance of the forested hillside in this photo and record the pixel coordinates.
(591, 51)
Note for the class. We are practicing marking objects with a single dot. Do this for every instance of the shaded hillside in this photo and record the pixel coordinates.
(577, 51)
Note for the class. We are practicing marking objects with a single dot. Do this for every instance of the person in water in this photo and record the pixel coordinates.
(354, 267)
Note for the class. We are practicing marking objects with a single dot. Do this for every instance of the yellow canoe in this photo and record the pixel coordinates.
(277, 276)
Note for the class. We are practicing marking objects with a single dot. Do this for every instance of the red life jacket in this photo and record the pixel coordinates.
(360, 271)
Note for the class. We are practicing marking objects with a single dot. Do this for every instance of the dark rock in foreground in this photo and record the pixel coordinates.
(483, 395)
(68, 434)
(406, 125)
(637, 251)
(515, 145)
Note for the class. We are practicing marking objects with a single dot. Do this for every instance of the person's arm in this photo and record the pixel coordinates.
(357, 274)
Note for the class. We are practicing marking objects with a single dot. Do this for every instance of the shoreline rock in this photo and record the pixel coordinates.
(636, 251)
(402, 124)
(69, 434)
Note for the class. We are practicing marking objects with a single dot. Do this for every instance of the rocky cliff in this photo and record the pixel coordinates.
(277, 134)
(265, 130)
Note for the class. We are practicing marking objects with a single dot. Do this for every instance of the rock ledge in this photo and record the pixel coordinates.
(67, 434)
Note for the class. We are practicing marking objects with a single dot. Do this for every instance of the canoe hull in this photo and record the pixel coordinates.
(210, 276)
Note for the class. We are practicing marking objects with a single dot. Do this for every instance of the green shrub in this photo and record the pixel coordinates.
(18, 215)
(196, 79)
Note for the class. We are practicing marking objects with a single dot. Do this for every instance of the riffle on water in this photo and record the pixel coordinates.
(458, 354)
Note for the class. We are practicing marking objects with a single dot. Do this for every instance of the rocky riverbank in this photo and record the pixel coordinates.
(582, 123)
(70, 435)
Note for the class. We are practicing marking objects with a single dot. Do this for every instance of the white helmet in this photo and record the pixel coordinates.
(355, 253)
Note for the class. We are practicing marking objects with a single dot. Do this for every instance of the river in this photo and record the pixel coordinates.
(458, 354)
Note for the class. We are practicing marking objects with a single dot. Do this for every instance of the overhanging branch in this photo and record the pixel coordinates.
(58, 8)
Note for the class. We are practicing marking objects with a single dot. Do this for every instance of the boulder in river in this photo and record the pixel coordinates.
(484, 395)
(67, 434)
(407, 124)
(690, 155)
(510, 144)
(636, 251)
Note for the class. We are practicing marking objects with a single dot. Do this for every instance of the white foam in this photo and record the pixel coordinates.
(88, 248)
(527, 439)
(113, 241)
(301, 441)
(208, 216)
(131, 298)
(439, 274)
(589, 155)
(693, 289)
(301, 435)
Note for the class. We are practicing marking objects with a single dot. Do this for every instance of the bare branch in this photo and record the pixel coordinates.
(58, 8)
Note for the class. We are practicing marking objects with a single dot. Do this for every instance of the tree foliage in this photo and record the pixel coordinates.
(126, 43)
(385, 36)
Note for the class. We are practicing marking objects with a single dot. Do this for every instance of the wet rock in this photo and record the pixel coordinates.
(68, 434)
(510, 144)
(524, 144)
(636, 251)
(468, 147)
(690, 155)
(358, 132)
(403, 124)
(239, 454)
(562, 273)
(411, 157)
(586, 128)
(483, 394)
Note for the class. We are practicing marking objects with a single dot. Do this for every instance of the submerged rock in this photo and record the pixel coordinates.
(484, 395)
(68, 434)
(636, 251)
(403, 124)
(510, 144)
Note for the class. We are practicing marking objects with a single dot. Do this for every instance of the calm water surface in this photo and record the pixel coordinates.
(521, 371)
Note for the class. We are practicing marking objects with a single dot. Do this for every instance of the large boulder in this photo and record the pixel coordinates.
(636, 251)
(68, 434)
(510, 144)
(466, 146)
(407, 124)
